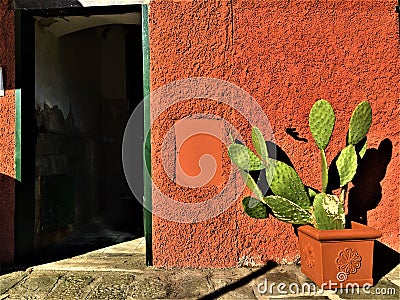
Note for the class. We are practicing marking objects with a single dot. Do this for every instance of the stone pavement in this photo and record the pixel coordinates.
(119, 272)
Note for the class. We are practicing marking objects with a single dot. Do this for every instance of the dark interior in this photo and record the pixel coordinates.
(73, 197)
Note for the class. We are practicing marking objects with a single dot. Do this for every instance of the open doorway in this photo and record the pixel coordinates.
(87, 81)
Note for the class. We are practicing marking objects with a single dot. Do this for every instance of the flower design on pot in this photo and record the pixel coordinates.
(308, 255)
(348, 261)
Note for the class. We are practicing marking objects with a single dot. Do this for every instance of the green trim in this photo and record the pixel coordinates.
(17, 152)
(147, 196)
(18, 114)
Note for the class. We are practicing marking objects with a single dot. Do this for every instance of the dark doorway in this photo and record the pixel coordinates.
(87, 79)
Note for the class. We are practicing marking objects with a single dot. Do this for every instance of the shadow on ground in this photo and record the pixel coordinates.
(385, 260)
(100, 232)
(241, 282)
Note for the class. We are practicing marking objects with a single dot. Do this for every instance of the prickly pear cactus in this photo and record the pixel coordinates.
(347, 165)
(252, 185)
(292, 201)
(360, 122)
(255, 208)
(321, 121)
(259, 143)
(324, 170)
(244, 158)
(328, 212)
(285, 182)
(361, 147)
(288, 211)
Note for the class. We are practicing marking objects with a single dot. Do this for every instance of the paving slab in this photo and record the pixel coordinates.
(34, 286)
(124, 257)
(112, 287)
(394, 275)
(119, 272)
(72, 286)
(383, 290)
(233, 283)
(10, 280)
(184, 283)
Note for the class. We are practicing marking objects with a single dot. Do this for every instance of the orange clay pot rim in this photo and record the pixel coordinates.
(357, 231)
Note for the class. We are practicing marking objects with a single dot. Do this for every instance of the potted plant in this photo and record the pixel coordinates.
(332, 254)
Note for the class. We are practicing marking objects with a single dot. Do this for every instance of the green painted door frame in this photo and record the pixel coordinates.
(147, 196)
(24, 160)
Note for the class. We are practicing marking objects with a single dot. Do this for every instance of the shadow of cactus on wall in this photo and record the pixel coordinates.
(366, 193)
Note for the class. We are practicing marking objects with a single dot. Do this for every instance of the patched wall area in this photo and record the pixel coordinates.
(286, 55)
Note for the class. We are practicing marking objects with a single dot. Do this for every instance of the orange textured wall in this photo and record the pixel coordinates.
(286, 54)
(7, 126)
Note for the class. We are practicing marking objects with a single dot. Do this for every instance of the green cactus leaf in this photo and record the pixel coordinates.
(360, 122)
(347, 164)
(288, 211)
(311, 192)
(252, 185)
(361, 147)
(255, 208)
(321, 121)
(285, 182)
(325, 172)
(244, 158)
(328, 212)
(259, 143)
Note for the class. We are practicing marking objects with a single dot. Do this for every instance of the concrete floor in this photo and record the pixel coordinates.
(119, 272)
(95, 234)
(110, 227)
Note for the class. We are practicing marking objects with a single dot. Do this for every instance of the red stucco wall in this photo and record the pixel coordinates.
(7, 125)
(286, 54)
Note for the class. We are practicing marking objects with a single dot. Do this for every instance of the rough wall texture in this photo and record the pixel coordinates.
(286, 54)
(7, 125)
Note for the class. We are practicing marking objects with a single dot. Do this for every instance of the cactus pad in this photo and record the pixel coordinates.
(288, 211)
(255, 208)
(321, 121)
(252, 185)
(244, 158)
(328, 212)
(347, 164)
(285, 182)
(324, 170)
(362, 146)
(360, 122)
(311, 192)
(259, 143)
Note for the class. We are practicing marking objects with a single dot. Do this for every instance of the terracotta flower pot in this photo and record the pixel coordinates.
(336, 258)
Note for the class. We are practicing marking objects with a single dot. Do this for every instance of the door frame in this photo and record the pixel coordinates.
(25, 116)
